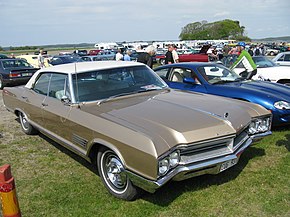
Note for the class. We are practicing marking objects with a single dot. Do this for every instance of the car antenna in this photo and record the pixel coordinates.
(77, 87)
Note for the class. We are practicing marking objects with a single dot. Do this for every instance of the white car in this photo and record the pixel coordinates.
(282, 59)
(267, 70)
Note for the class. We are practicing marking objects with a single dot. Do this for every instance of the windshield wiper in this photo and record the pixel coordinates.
(223, 81)
(115, 96)
(128, 93)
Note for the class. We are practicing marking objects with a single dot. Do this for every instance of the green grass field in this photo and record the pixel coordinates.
(51, 181)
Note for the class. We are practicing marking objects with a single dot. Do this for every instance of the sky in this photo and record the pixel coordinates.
(49, 22)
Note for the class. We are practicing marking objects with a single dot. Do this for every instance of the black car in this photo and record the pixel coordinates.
(2, 56)
(15, 72)
(64, 59)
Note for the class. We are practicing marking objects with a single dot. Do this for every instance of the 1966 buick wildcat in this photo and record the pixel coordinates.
(139, 133)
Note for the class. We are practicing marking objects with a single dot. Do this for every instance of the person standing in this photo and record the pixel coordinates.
(175, 54)
(147, 57)
(168, 55)
(246, 60)
(40, 59)
(127, 56)
(119, 55)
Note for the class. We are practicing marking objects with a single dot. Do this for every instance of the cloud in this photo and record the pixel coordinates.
(222, 14)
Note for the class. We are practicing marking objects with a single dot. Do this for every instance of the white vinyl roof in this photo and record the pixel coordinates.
(72, 68)
(79, 67)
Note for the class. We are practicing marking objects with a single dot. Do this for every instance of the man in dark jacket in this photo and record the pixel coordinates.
(168, 56)
(146, 57)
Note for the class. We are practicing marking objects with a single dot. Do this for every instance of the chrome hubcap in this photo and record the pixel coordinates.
(24, 121)
(115, 172)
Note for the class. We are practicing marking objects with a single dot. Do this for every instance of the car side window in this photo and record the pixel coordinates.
(41, 85)
(281, 58)
(52, 84)
(162, 73)
(58, 86)
(287, 57)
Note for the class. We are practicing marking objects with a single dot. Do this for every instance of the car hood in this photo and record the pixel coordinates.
(267, 90)
(173, 117)
(204, 49)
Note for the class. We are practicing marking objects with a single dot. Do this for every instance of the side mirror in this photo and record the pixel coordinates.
(189, 81)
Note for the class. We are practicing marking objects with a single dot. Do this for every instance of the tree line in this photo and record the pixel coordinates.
(225, 29)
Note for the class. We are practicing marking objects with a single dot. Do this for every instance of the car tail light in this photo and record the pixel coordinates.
(13, 75)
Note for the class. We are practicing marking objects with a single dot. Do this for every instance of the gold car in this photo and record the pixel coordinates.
(139, 133)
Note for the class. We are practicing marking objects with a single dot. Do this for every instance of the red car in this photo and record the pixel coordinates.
(191, 57)
(94, 52)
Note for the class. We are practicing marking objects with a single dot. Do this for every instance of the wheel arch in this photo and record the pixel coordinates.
(98, 144)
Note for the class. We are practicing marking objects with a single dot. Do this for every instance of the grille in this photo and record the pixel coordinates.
(201, 151)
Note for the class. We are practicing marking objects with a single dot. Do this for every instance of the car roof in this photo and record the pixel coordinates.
(72, 68)
(79, 67)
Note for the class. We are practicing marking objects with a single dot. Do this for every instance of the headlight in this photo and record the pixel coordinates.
(163, 166)
(282, 105)
(259, 125)
(174, 159)
(168, 162)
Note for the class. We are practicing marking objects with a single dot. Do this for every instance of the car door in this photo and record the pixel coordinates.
(178, 74)
(59, 115)
(34, 98)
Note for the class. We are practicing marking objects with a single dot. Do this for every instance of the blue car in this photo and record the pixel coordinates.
(214, 78)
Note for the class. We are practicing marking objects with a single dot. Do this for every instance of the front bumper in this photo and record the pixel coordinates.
(182, 172)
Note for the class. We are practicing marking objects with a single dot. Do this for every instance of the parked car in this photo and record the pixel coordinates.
(139, 133)
(267, 70)
(3, 56)
(201, 56)
(33, 59)
(104, 55)
(64, 59)
(218, 80)
(282, 59)
(272, 52)
(90, 58)
(15, 72)
(80, 52)
(94, 52)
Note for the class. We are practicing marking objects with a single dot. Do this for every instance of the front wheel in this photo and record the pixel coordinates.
(26, 126)
(114, 177)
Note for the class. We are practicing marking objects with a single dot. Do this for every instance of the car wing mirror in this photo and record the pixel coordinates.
(189, 81)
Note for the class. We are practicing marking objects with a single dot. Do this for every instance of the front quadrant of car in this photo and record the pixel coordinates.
(138, 132)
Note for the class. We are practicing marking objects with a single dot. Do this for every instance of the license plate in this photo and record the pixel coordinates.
(26, 74)
(228, 164)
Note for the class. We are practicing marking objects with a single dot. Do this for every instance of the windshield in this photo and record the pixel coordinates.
(15, 63)
(263, 62)
(217, 73)
(109, 83)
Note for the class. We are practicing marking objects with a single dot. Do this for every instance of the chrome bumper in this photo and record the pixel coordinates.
(182, 172)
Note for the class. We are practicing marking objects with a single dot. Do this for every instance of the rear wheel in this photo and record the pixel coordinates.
(26, 126)
(114, 177)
